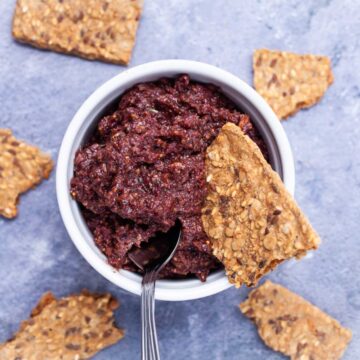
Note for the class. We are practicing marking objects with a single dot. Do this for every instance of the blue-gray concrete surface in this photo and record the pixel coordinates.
(40, 91)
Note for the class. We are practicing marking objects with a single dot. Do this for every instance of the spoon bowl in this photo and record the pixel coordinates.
(158, 251)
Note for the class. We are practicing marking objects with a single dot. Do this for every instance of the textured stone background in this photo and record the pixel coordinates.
(40, 92)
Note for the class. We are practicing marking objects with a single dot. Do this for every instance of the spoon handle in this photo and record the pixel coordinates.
(149, 342)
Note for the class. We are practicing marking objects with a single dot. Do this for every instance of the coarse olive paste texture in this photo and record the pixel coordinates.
(144, 167)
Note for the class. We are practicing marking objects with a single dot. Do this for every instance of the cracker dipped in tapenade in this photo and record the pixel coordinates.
(144, 167)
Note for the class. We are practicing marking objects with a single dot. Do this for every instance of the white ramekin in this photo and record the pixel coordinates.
(83, 123)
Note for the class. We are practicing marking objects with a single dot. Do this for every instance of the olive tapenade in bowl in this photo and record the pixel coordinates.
(132, 163)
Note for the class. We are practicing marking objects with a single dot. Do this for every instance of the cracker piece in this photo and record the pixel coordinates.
(252, 222)
(289, 324)
(93, 29)
(290, 82)
(21, 167)
(72, 328)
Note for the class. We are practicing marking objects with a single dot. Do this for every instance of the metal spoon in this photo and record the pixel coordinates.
(152, 258)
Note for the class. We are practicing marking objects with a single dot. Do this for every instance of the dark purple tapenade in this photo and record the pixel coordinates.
(144, 167)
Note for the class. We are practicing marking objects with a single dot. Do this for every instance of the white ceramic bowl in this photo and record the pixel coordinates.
(83, 123)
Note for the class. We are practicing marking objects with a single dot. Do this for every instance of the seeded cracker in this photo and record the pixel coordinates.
(93, 29)
(290, 82)
(288, 323)
(72, 328)
(21, 167)
(252, 221)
